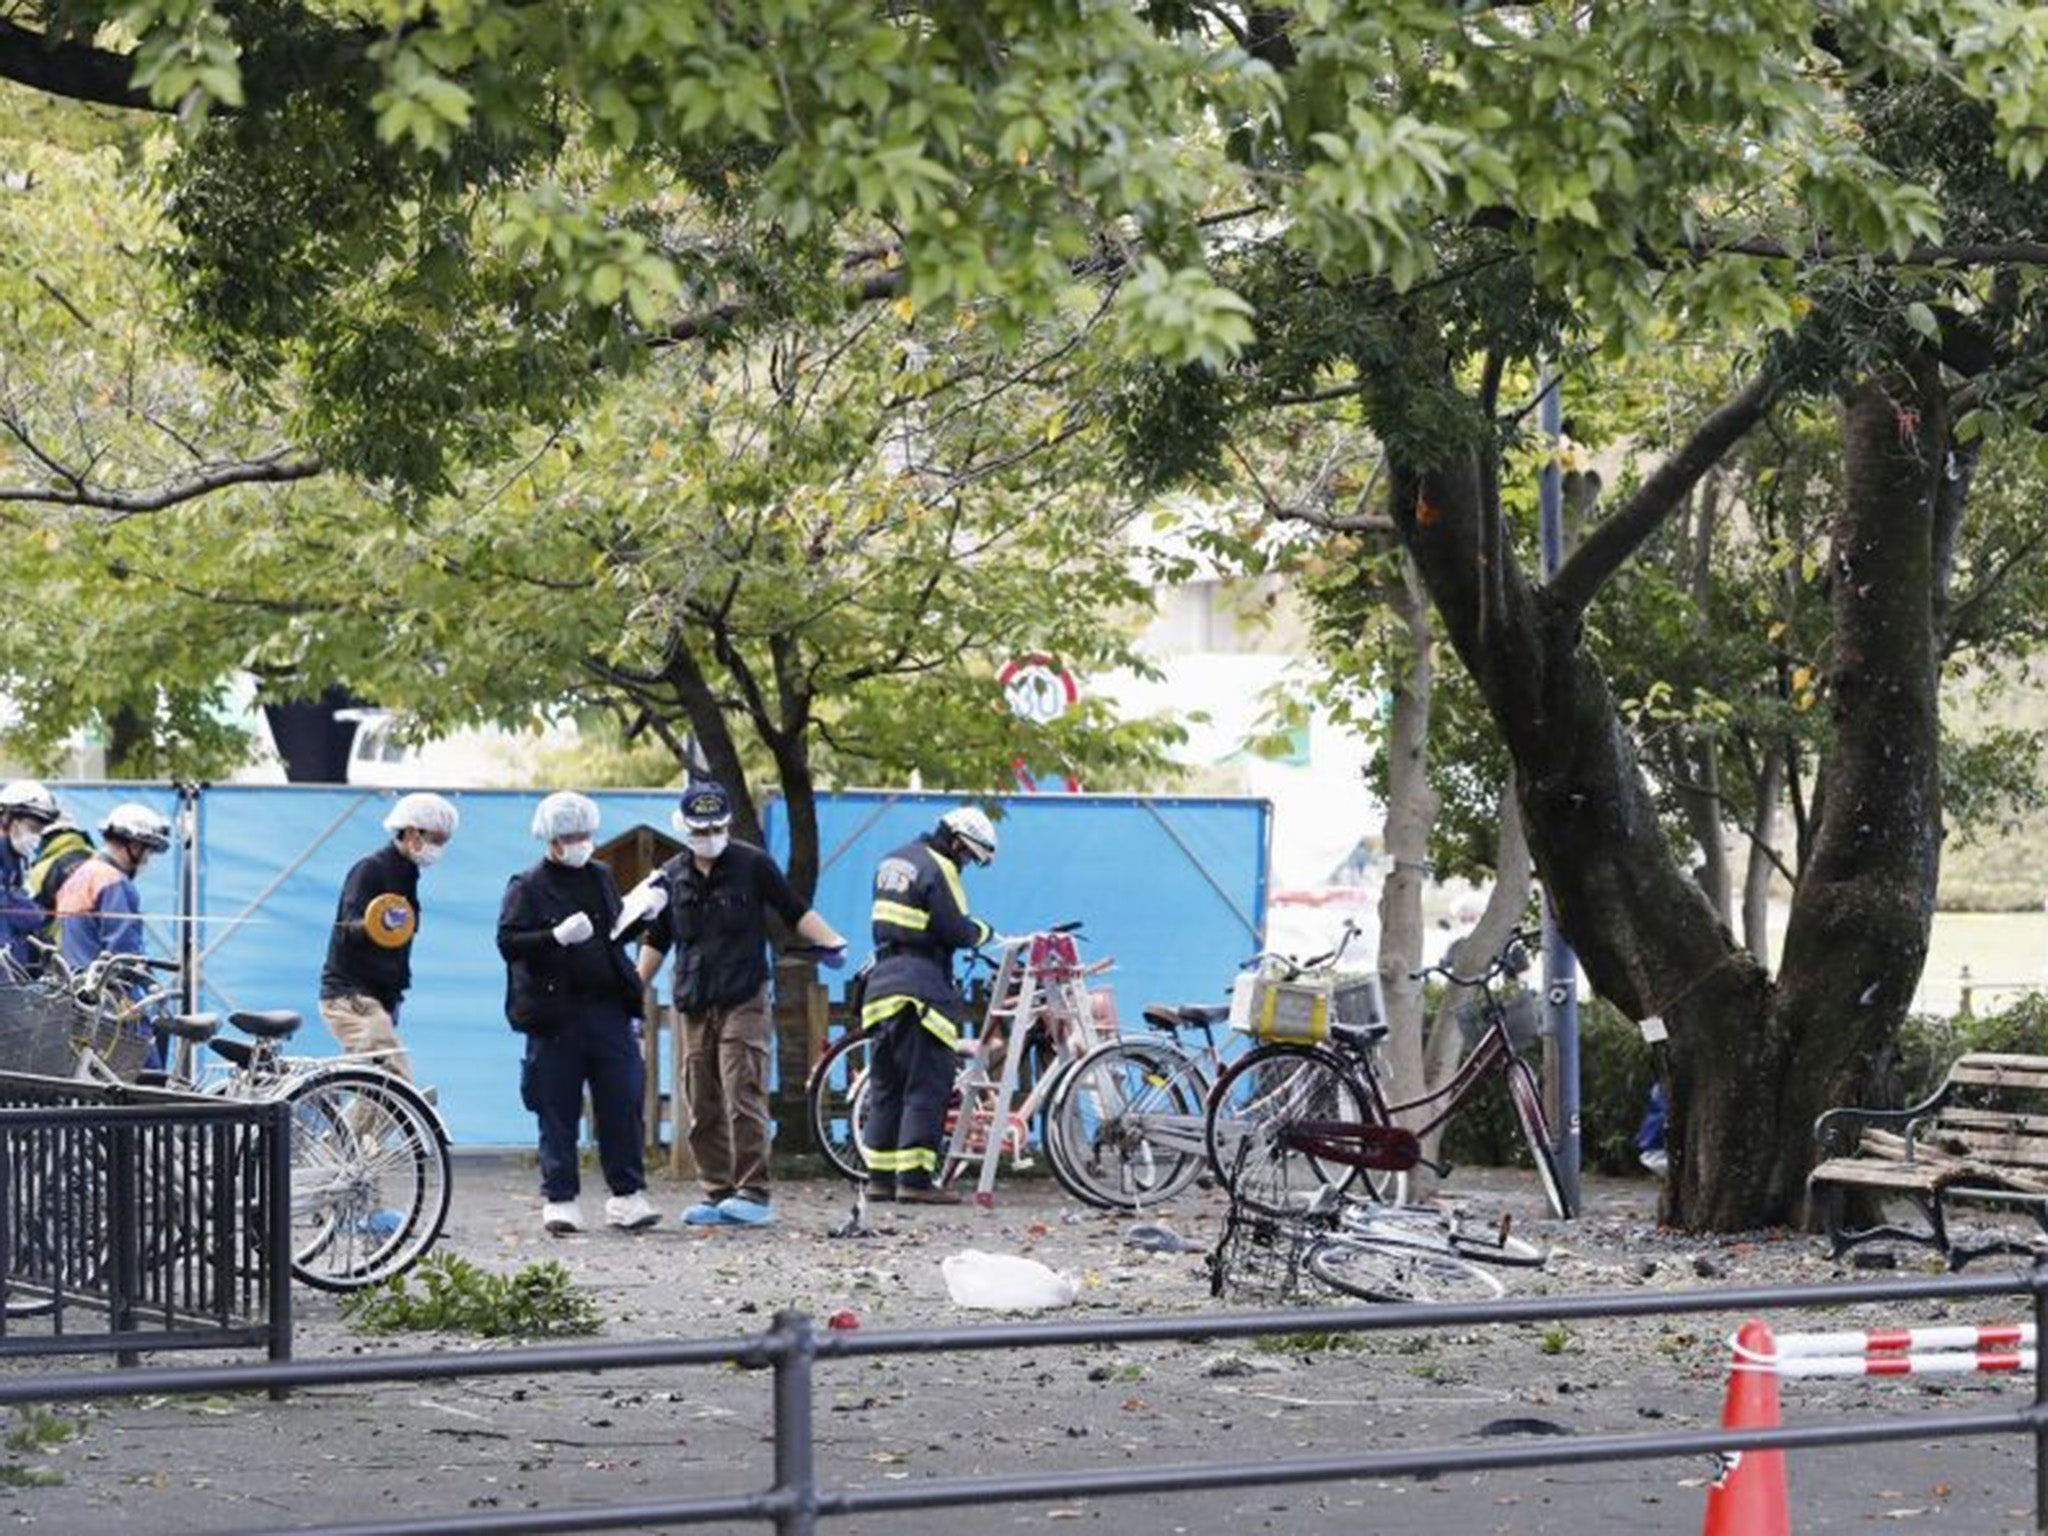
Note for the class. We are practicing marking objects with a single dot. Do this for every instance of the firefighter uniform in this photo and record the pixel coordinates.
(920, 918)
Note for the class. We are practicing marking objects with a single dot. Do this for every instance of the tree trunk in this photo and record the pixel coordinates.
(1411, 812)
(800, 801)
(1751, 1064)
(1864, 905)
(715, 740)
(1646, 934)
(1763, 840)
(1506, 905)
(127, 735)
(1701, 796)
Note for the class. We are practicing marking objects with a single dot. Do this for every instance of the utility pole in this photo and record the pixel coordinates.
(1560, 965)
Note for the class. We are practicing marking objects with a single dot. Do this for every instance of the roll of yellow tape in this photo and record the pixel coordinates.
(389, 920)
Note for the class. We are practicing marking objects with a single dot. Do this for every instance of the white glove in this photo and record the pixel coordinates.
(574, 929)
(647, 899)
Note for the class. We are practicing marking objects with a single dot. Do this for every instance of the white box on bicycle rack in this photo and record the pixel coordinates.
(1300, 1011)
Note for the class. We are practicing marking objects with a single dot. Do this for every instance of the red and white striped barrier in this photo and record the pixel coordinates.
(1999, 1348)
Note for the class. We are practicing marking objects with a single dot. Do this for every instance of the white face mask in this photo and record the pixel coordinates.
(26, 840)
(575, 855)
(427, 854)
(707, 845)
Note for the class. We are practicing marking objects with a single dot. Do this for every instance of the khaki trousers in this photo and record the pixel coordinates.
(725, 1084)
(364, 1028)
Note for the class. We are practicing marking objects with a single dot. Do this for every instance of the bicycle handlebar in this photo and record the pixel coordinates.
(1295, 967)
(1511, 960)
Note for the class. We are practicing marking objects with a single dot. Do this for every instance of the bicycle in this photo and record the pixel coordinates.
(1291, 1110)
(1128, 1125)
(1038, 999)
(371, 1179)
(1365, 1249)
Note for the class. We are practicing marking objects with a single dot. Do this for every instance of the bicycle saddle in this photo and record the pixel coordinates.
(1363, 1034)
(266, 1023)
(197, 1027)
(1173, 1016)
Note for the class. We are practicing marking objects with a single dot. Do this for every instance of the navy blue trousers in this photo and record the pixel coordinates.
(910, 1082)
(601, 1051)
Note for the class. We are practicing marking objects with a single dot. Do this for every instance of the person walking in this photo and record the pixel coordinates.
(27, 808)
(571, 989)
(369, 953)
(920, 918)
(710, 904)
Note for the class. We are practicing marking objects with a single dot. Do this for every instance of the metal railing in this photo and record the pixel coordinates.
(133, 1220)
(796, 1502)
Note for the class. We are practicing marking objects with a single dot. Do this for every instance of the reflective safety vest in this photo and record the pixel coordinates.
(919, 919)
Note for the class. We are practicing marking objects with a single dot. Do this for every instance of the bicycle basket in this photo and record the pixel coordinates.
(120, 1039)
(36, 1027)
(1525, 1021)
(1301, 1012)
(1258, 1259)
(1054, 956)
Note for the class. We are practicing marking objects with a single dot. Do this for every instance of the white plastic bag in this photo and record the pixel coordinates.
(1003, 1282)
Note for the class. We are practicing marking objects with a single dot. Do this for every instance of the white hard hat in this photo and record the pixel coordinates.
(424, 811)
(138, 824)
(565, 814)
(972, 829)
(29, 798)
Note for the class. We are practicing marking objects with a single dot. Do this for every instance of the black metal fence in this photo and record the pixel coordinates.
(795, 1501)
(135, 1220)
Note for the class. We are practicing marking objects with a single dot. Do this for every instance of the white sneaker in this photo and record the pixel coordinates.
(562, 1217)
(631, 1212)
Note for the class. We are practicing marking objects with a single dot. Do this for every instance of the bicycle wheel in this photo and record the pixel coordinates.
(1259, 1095)
(1528, 1100)
(1374, 1271)
(370, 1177)
(837, 1083)
(1125, 1128)
(1434, 1231)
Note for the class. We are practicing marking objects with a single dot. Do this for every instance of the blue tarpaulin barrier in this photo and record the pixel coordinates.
(1173, 888)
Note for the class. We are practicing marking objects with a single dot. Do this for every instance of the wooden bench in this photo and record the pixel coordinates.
(1982, 1139)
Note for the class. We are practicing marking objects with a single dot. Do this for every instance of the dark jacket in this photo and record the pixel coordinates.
(920, 918)
(547, 983)
(718, 924)
(355, 966)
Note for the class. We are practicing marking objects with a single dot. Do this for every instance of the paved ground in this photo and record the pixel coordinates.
(452, 1449)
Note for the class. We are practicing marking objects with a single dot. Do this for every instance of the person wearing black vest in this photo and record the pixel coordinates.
(571, 989)
(710, 904)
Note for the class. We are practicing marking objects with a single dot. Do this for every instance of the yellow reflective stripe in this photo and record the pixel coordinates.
(902, 916)
(982, 932)
(939, 1025)
(880, 1160)
(917, 1160)
(882, 1009)
(952, 881)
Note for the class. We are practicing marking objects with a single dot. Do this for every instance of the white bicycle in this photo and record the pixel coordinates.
(371, 1176)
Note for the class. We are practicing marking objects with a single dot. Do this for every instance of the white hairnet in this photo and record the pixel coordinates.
(428, 812)
(565, 814)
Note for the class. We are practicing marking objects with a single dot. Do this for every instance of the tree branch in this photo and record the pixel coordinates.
(1610, 544)
(78, 71)
(276, 467)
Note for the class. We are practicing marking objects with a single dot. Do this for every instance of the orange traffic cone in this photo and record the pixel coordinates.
(1747, 1497)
